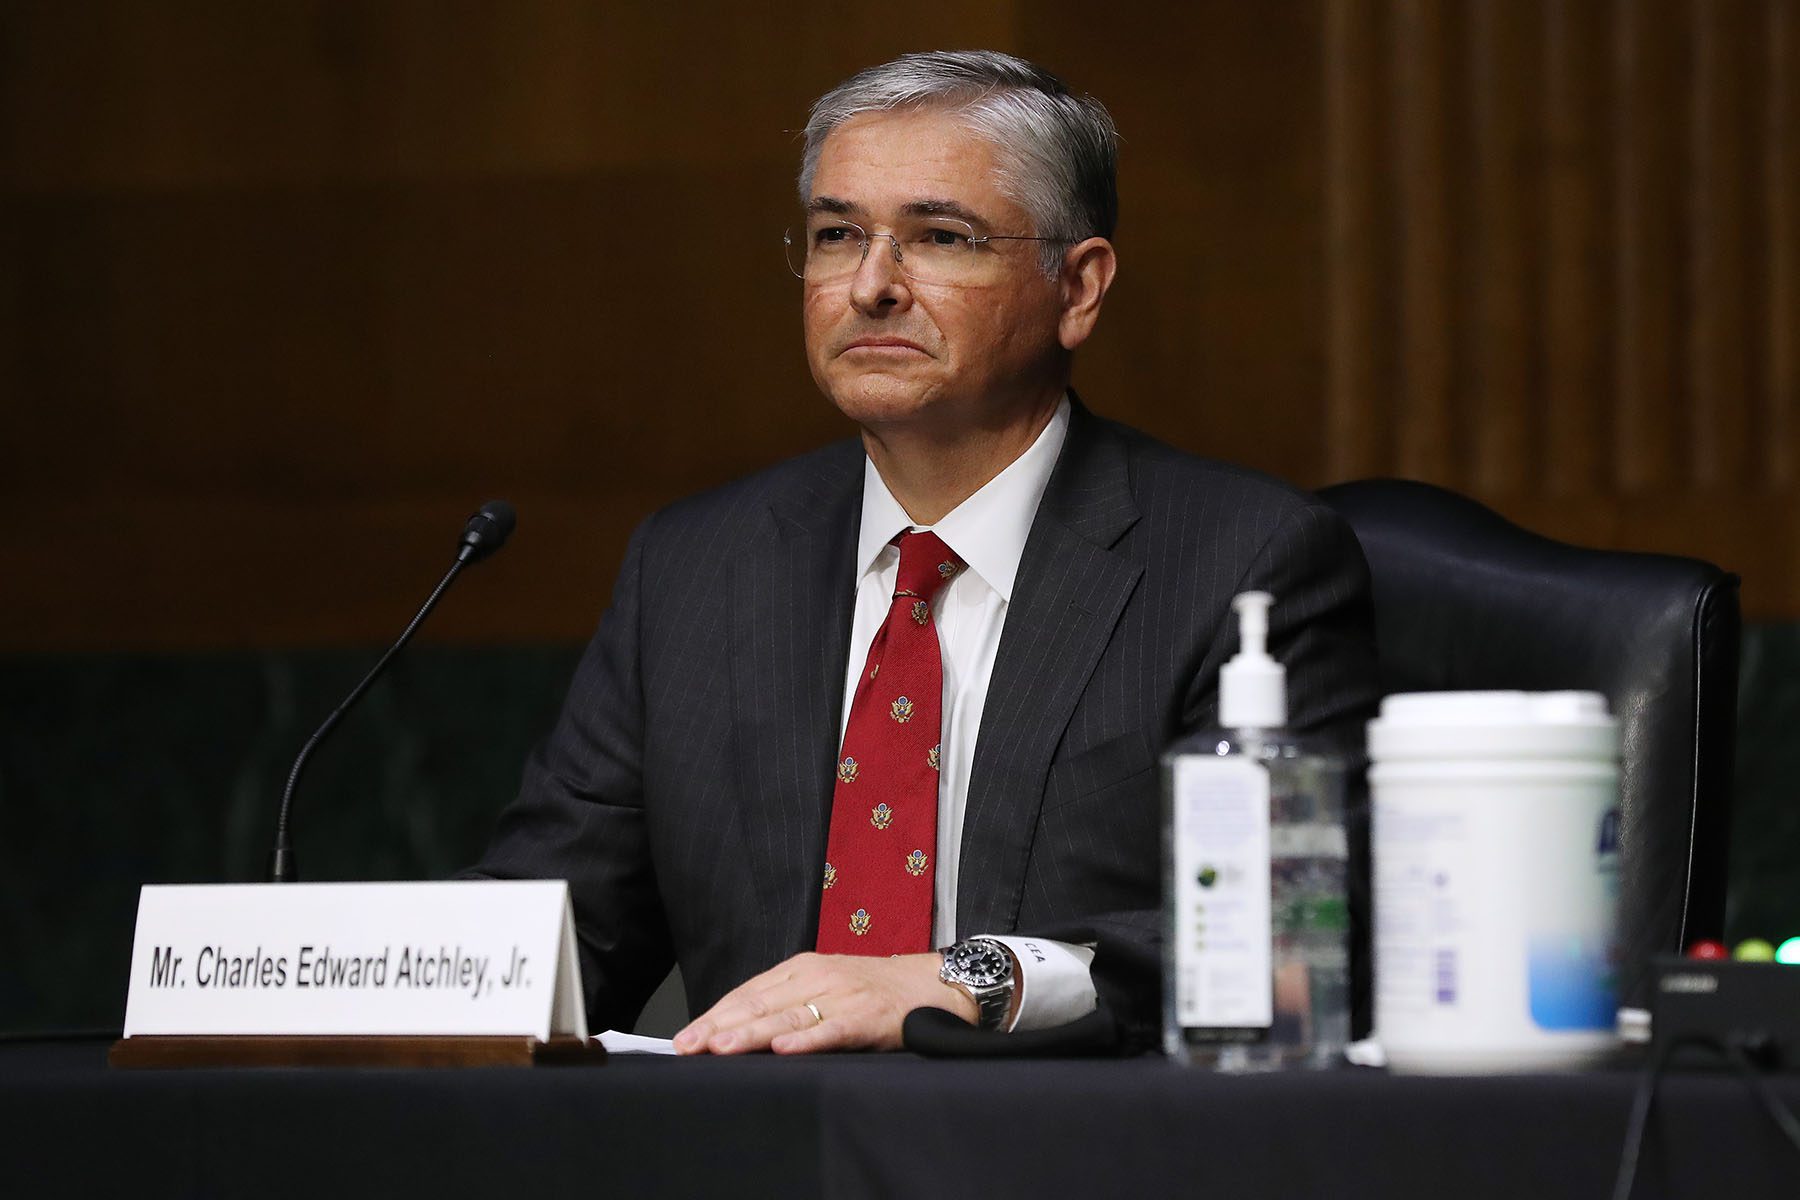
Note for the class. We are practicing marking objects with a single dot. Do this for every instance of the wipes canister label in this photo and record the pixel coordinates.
(1573, 957)
(1495, 911)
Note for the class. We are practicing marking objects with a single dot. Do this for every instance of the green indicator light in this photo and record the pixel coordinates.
(1788, 952)
(1754, 950)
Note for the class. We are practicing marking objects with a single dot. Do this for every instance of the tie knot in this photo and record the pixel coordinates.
(926, 564)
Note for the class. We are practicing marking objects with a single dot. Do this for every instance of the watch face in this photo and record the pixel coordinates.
(980, 964)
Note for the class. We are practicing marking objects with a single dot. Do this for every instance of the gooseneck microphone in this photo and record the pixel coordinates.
(485, 533)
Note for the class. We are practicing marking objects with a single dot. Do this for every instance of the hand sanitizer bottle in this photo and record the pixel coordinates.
(1256, 952)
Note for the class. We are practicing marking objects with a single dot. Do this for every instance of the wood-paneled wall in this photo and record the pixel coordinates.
(287, 288)
(1563, 259)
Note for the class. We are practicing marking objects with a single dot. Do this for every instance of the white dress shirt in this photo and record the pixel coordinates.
(988, 532)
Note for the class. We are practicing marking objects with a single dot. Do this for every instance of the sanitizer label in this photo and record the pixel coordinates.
(1223, 974)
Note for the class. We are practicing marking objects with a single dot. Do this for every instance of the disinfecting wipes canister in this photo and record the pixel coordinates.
(1496, 863)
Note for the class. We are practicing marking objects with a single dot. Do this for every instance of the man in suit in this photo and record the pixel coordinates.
(912, 688)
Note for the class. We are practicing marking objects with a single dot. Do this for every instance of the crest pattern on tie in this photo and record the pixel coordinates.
(879, 884)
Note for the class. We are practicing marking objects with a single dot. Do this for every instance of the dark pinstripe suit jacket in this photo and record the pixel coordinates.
(686, 789)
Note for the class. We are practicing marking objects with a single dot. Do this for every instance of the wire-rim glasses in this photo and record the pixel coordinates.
(944, 251)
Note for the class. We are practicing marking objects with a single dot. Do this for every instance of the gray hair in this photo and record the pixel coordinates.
(1058, 151)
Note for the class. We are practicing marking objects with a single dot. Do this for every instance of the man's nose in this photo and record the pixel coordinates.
(879, 284)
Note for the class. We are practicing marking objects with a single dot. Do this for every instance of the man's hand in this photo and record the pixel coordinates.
(860, 1003)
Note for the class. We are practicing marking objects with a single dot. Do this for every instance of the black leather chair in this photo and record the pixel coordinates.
(1465, 600)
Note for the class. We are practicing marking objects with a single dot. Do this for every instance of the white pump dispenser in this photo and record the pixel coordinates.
(1257, 862)
(1253, 686)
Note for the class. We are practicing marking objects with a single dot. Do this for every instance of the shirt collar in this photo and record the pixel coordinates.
(988, 530)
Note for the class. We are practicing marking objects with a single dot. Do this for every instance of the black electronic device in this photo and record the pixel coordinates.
(1752, 1006)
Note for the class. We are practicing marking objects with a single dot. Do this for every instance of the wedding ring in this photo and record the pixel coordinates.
(814, 1010)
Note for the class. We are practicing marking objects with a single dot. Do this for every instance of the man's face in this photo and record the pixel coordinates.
(888, 350)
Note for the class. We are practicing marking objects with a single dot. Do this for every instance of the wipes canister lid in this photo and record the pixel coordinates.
(1457, 725)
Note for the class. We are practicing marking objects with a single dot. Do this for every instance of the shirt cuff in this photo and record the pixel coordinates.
(1053, 981)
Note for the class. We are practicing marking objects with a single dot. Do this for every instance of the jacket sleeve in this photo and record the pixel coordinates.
(580, 816)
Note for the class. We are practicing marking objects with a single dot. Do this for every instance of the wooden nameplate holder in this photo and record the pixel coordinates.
(323, 1050)
(355, 975)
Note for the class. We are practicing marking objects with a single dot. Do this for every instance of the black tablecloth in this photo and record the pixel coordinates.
(891, 1125)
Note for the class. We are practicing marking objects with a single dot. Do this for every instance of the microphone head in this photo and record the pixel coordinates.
(486, 531)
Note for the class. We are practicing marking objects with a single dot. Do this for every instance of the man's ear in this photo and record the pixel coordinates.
(1087, 272)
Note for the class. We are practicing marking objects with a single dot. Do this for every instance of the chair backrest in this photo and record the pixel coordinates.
(1465, 601)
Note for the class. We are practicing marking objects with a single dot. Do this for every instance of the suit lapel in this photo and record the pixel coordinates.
(790, 637)
(1070, 591)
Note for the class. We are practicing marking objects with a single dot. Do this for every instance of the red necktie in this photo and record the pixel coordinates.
(880, 856)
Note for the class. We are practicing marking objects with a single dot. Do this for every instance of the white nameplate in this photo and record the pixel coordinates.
(356, 958)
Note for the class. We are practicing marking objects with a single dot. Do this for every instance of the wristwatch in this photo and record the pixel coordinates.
(983, 968)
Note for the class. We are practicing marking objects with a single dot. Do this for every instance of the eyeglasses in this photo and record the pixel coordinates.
(932, 250)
